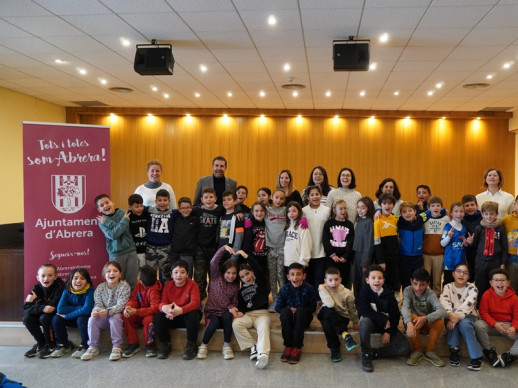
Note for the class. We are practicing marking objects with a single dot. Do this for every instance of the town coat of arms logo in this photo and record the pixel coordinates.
(68, 192)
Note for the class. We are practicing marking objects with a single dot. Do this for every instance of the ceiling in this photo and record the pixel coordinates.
(450, 42)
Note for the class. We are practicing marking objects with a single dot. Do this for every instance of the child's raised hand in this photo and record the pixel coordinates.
(230, 250)
(30, 298)
(451, 232)
(470, 238)
(383, 267)
(322, 287)
(377, 215)
(242, 253)
(101, 219)
(48, 309)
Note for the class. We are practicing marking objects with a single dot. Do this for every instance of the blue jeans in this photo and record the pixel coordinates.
(59, 325)
(465, 328)
(214, 322)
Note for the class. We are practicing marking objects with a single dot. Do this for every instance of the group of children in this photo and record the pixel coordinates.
(273, 247)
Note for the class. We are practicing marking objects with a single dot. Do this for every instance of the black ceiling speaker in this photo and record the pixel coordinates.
(154, 59)
(351, 55)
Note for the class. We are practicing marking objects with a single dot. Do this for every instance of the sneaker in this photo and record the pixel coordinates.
(227, 352)
(150, 351)
(271, 308)
(335, 355)
(81, 349)
(116, 354)
(90, 353)
(296, 354)
(202, 352)
(130, 350)
(434, 358)
(367, 362)
(285, 357)
(415, 358)
(46, 351)
(253, 352)
(506, 358)
(454, 357)
(475, 364)
(34, 351)
(190, 351)
(61, 350)
(262, 361)
(350, 343)
(164, 351)
(494, 360)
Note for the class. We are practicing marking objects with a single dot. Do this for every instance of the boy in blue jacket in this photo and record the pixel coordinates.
(380, 314)
(410, 231)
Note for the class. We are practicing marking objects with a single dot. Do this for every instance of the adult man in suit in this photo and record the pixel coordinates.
(217, 180)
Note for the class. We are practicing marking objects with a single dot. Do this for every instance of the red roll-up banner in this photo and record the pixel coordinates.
(65, 166)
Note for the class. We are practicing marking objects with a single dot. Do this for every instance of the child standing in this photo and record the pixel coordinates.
(499, 316)
(386, 244)
(160, 234)
(231, 229)
(109, 300)
(114, 223)
(454, 241)
(297, 247)
(317, 215)
(140, 310)
(380, 314)
(433, 251)
(510, 223)
(264, 195)
(459, 298)
(40, 308)
(410, 231)
(363, 245)
(338, 309)
(242, 195)
(74, 309)
(338, 240)
(296, 304)
(490, 239)
(185, 233)
(255, 235)
(222, 300)
(275, 223)
(252, 311)
(471, 221)
(138, 226)
(423, 193)
(179, 307)
(422, 313)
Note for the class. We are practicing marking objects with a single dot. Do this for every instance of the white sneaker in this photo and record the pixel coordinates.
(89, 354)
(262, 361)
(227, 352)
(116, 354)
(202, 352)
(253, 352)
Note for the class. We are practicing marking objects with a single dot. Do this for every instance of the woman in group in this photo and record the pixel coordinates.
(493, 181)
(346, 183)
(389, 185)
(318, 177)
(148, 190)
(285, 183)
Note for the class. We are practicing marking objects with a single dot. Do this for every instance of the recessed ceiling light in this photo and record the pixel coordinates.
(373, 66)
(430, 93)
(328, 93)
(82, 71)
(272, 20)
(229, 94)
(396, 93)
(203, 68)
(197, 95)
(363, 93)
(384, 37)
(489, 76)
(166, 95)
(103, 81)
(125, 42)
(438, 85)
(59, 61)
(287, 67)
(295, 93)
(154, 88)
(262, 93)
(507, 65)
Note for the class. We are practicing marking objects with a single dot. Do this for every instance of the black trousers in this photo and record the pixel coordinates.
(293, 326)
(333, 324)
(191, 321)
(34, 323)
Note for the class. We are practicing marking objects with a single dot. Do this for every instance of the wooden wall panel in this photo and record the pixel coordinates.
(448, 155)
